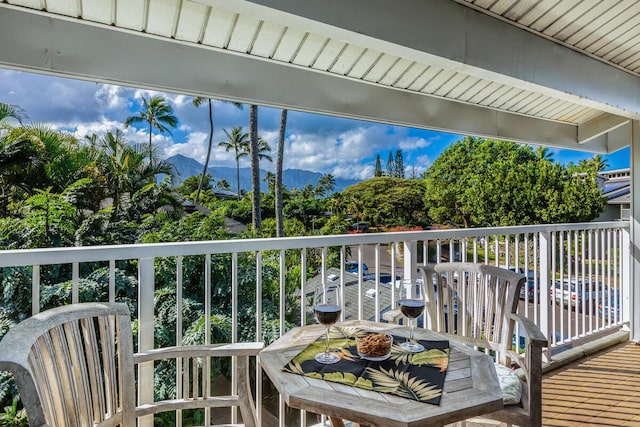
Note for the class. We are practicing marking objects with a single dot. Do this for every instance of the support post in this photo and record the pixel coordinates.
(634, 293)
(544, 240)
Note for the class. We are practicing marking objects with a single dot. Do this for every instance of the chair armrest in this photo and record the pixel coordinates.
(217, 350)
(530, 330)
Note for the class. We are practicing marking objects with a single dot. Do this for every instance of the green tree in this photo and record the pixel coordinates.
(270, 179)
(158, 114)
(278, 188)
(194, 183)
(10, 113)
(19, 160)
(479, 182)
(378, 170)
(391, 167)
(597, 163)
(124, 169)
(197, 102)
(238, 142)
(398, 165)
(387, 201)
(326, 184)
(223, 185)
(543, 153)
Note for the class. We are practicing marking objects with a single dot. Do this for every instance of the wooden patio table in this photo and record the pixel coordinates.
(471, 387)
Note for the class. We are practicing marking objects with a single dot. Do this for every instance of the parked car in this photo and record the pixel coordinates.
(352, 267)
(611, 307)
(529, 290)
(572, 292)
(362, 227)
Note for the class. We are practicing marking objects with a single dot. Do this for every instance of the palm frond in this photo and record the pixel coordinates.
(402, 384)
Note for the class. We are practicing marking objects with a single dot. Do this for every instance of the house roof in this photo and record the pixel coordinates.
(553, 73)
(351, 293)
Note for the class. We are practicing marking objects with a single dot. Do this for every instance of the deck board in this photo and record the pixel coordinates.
(599, 390)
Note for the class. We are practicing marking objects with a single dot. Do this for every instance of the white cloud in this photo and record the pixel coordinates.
(111, 97)
(195, 147)
(413, 143)
(81, 129)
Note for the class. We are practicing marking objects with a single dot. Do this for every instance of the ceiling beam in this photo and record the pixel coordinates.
(600, 125)
(50, 44)
(456, 37)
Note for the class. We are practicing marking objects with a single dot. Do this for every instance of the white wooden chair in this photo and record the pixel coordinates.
(478, 304)
(484, 302)
(74, 366)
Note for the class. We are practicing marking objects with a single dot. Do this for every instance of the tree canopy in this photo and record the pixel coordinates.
(387, 201)
(478, 182)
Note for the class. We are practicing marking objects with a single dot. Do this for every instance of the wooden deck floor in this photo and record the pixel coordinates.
(600, 390)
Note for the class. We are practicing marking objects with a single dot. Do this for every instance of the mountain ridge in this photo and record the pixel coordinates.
(291, 178)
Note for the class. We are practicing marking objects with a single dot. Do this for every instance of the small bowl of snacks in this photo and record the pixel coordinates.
(374, 345)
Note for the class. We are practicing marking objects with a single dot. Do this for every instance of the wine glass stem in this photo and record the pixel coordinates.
(411, 331)
(326, 343)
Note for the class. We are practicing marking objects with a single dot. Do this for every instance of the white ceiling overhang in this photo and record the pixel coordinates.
(454, 66)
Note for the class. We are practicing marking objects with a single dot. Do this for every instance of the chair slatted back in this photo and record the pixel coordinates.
(472, 301)
(74, 366)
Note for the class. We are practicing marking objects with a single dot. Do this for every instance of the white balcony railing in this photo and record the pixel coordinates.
(593, 256)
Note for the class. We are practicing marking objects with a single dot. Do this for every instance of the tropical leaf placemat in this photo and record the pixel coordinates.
(418, 376)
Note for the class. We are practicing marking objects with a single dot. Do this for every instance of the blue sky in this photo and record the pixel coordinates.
(343, 147)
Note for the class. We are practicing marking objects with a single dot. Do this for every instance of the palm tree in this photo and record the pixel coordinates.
(270, 179)
(254, 145)
(62, 161)
(599, 163)
(10, 112)
(326, 184)
(543, 153)
(278, 177)
(158, 114)
(223, 185)
(124, 169)
(263, 149)
(18, 161)
(239, 143)
(197, 102)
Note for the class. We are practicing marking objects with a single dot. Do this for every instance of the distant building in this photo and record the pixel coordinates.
(617, 190)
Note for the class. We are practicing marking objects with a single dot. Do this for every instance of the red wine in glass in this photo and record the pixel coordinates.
(411, 299)
(327, 314)
(327, 308)
(411, 308)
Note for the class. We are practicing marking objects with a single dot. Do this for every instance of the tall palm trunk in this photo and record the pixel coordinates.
(278, 183)
(150, 144)
(206, 162)
(255, 169)
(238, 174)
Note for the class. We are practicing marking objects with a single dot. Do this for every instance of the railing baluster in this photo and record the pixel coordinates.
(179, 383)
(258, 389)
(206, 374)
(35, 289)
(112, 280)
(75, 278)
(303, 283)
(377, 283)
(146, 288)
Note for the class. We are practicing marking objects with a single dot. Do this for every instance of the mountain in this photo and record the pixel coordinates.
(291, 178)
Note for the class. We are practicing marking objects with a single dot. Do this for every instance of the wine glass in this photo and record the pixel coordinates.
(411, 297)
(327, 308)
